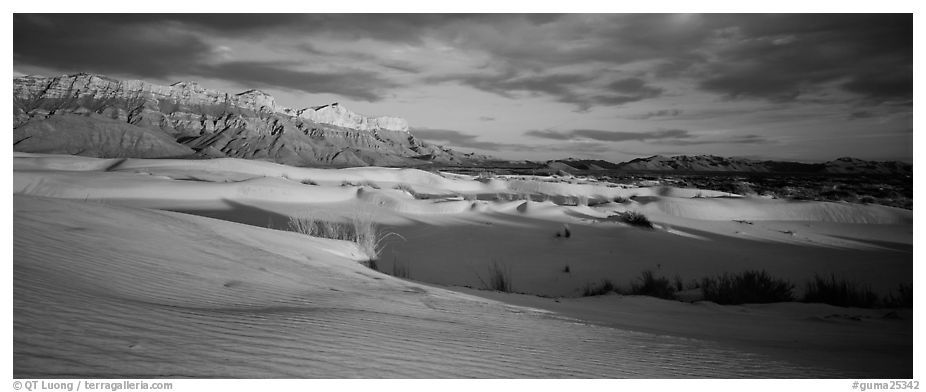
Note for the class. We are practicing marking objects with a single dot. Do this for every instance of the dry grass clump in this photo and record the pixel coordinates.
(499, 278)
(755, 287)
(634, 218)
(600, 288)
(650, 285)
(360, 229)
(841, 292)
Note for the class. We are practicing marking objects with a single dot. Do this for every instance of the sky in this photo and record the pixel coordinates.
(801, 87)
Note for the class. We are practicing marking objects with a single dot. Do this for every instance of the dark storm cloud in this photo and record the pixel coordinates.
(562, 87)
(99, 44)
(360, 85)
(745, 139)
(397, 65)
(770, 57)
(460, 139)
(610, 136)
(779, 57)
(408, 28)
(143, 46)
(662, 113)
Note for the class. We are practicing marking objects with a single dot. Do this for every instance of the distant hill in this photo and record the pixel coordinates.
(94, 115)
(712, 163)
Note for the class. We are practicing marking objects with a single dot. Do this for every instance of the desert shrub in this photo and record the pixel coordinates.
(904, 299)
(650, 285)
(746, 287)
(621, 199)
(634, 218)
(408, 189)
(308, 182)
(600, 288)
(360, 230)
(839, 292)
(400, 270)
(485, 176)
(677, 282)
(582, 200)
(566, 269)
(499, 278)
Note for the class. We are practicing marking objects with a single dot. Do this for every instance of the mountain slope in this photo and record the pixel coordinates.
(185, 118)
(712, 163)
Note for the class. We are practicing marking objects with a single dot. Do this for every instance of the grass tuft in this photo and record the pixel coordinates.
(746, 287)
(499, 278)
(840, 292)
(904, 299)
(600, 288)
(650, 285)
(361, 230)
(635, 218)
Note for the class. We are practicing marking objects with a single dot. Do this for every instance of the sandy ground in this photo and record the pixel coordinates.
(146, 268)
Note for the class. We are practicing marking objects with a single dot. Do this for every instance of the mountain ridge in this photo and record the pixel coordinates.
(718, 164)
(205, 123)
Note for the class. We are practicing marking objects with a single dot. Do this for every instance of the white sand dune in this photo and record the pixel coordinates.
(109, 284)
(106, 291)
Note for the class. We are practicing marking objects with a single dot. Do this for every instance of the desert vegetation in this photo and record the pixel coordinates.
(602, 287)
(746, 287)
(499, 278)
(360, 229)
(651, 285)
(841, 292)
(634, 218)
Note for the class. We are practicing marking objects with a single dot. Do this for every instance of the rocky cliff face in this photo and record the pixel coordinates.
(64, 115)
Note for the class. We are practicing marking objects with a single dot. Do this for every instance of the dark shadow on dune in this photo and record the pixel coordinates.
(115, 165)
(242, 213)
(895, 246)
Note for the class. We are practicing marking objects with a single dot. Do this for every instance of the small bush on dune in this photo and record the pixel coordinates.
(499, 278)
(746, 287)
(408, 189)
(361, 230)
(840, 292)
(601, 288)
(634, 218)
(904, 299)
(400, 270)
(650, 285)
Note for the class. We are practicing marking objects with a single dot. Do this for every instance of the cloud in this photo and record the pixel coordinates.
(585, 60)
(146, 46)
(657, 114)
(360, 85)
(459, 139)
(745, 139)
(563, 87)
(97, 44)
(673, 137)
(859, 114)
(610, 136)
(781, 57)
